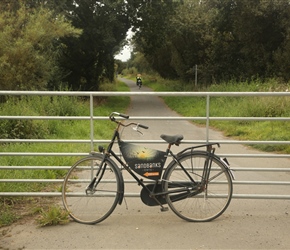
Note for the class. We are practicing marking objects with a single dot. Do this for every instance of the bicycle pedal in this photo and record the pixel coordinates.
(164, 209)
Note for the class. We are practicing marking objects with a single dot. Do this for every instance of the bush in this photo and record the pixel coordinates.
(37, 106)
(22, 129)
(130, 71)
(30, 47)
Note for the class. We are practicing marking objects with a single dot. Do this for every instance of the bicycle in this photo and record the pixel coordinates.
(139, 83)
(196, 185)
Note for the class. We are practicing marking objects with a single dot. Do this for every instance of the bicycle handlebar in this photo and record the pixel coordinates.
(112, 118)
(124, 116)
(143, 126)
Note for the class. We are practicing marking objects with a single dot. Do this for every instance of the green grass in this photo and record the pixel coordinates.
(49, 129)
(51, 216)
(8, 215)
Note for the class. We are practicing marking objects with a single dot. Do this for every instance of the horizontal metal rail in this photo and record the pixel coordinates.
(135, 195)
(86, 154)
(147, 118)
(91, 118)
(133, 181)
(251, 169)
(139, 141)
(124, 93)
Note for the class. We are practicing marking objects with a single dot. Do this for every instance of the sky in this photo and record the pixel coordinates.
(125, 53)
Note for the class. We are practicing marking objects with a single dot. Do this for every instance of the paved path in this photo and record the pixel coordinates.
(247, 224)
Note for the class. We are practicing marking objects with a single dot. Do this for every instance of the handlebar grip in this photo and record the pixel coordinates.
(124, 116)
(143, 126)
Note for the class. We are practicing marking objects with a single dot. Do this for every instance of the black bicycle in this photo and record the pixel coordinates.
(196, 184)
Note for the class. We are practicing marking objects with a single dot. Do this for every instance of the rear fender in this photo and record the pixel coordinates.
(227, 166)
(121, 181)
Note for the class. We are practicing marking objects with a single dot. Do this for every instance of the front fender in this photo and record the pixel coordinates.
(118, 172)
(120, 180)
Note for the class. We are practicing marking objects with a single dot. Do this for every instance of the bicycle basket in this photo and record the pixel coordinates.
(144, 161)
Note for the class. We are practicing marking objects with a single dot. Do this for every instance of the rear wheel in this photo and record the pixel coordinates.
(96, 205)
(196, 202)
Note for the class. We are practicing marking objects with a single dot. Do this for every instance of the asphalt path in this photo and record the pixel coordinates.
(246, 224)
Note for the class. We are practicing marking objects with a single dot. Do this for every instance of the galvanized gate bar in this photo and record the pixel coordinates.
(135, 195)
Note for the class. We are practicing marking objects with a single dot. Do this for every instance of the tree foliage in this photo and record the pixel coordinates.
(151, 30)
(227, 39)
(44, 43)
(82, 62)
(29, 47)
(90, 58)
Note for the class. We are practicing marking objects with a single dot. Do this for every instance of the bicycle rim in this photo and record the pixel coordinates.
(94, 207)
(204, 205)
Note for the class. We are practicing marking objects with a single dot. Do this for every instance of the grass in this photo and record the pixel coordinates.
(48, 129)
(8, 215)
(53, 215)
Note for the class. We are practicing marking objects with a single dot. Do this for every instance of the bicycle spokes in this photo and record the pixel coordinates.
(209, 195)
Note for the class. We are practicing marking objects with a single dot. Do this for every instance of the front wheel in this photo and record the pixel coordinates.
(204, 199)
(90, 207)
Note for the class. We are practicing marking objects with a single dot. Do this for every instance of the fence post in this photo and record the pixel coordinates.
(207, 118)
(92, 121)
(195, 75)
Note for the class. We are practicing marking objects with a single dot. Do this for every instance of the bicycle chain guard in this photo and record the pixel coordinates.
(147, 200)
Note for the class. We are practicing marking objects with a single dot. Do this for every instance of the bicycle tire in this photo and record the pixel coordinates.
(206, 205)
(97, 206)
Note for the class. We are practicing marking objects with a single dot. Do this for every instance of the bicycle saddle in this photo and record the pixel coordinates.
(172, 139)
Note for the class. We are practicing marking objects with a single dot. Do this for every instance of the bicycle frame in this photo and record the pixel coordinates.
(109, 152)
(156, 192)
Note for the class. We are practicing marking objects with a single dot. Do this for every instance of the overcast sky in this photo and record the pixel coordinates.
(125, 54)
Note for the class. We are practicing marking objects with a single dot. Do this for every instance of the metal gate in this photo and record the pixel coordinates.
(275, 176)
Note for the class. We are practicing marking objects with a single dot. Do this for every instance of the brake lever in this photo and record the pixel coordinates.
(137, 129)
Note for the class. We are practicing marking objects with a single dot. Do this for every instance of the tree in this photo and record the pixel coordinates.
(190, 38)
(29, 47)
(228, 39)
(90, 58)
(260, 34)
(247, 36)
(151, 29)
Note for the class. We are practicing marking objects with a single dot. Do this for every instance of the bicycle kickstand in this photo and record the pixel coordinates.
(162, 208)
